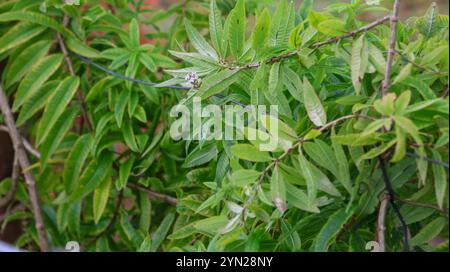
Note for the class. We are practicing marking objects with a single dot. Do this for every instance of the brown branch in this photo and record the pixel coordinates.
(423, 205)
(320, 44)
(153, 195)
(80, 95)
(381, 226)
(24, 164)
(15, 181)
(391, 51)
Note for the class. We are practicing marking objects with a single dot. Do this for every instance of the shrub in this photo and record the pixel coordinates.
(361, 143)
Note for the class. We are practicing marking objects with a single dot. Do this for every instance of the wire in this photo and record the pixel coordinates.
(443, 164)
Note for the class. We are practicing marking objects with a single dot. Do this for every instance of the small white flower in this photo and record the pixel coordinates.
(193, 79)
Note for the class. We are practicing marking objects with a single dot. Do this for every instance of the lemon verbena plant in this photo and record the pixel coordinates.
(360, 159)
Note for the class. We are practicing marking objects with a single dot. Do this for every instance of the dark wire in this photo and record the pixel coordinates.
(112, 73)
(427, 159)
(391, 194)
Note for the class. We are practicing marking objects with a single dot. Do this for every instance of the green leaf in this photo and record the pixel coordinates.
(148, 62)
(299, 199)
(200, 155)
(124, 174)
(250, 153)
(19, 34)
(332, 27)
(278, 190)
(218, 82)
(404, 73)
(134, 34)
(323, 155)
(429, 232)
(56, 134)
(293, 83)
(274, 77)
(313, 105)
(282, 24)
(211, 226)
(128, 136)
(92, 177)
(100, 200)
(37, 18)
(400, 148)
(342, 164)
(311, 183)
(56, 106)
(216, 28)
(244, 177)
(236, 29)
(36, 102)
(145, 218)
(440, 180)
(359, 62)
(162, 231)
(329, 231)
(75, 161)
(199, 42)
(120, 105)
(22, 63)
(260, 33)
(38, 74)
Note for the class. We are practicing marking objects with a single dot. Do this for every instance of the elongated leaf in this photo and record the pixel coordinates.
(23, 62)
(313, 105)
(36, 102)
(162, 231)
(311, 183)
(430, 231)
(216, 28)
(440, 180)
(56, 105)
(201, 155)
(199, 43)
(244, 177)
(261, 31)
(39, 73)
(75, 161)
(19, 34)
(218, 82)
(329, 231)
(236, 29)
(282, 24)
(129, 137)
(359, 62)
(56, 134)
(101, 195)
(124, 174)
(36, 18)
(134, 34)
(278, 190)
(92, 177)
(250, 153)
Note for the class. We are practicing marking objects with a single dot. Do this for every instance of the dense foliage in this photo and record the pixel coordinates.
(110, 176)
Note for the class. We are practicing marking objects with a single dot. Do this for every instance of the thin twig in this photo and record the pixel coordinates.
(381, 226)
(80, 96)
(153, 195)
(15, 182)
(391, 199)
(24, 163)
(391, 51)
(29, 147)
(423, 205)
